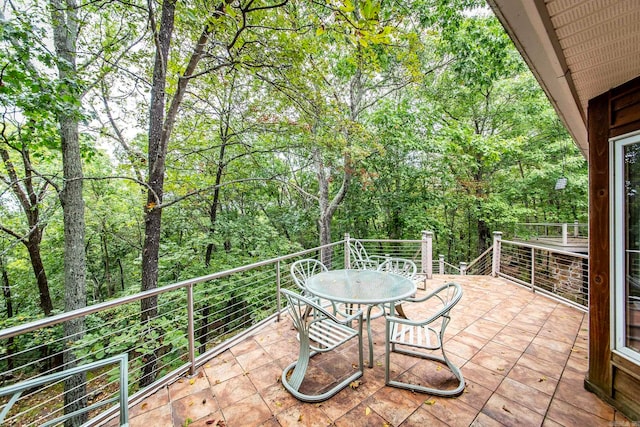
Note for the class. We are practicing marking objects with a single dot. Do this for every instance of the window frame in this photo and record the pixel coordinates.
(617, 240)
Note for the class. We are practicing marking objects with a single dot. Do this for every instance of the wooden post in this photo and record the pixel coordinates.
(427, 254)
(463, 268)
(497, 241)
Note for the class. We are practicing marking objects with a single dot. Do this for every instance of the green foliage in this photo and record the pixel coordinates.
(423, 108)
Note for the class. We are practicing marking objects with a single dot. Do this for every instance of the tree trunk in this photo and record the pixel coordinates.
(107, 265)
(30, 200)
(8, 302)
(157, 153)
(324, 220)
(33, 247)
(65, 31)
(213, 209)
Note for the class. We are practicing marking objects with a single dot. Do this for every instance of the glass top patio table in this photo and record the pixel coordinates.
(360, 286)
(366, 287)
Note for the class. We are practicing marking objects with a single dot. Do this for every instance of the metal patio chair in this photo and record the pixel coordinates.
(320, 334)
(419, 338)
(360, 259)
(301, 270)
(402, 267)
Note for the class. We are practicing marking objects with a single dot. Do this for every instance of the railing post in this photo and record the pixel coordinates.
(440, 264)
(347, 249)
(533, 268)
(427, 254)
(463, 268)
(576, 228)
(497, 241)
(278, 301)
(190, 331)
(564, 234)
(124, 388)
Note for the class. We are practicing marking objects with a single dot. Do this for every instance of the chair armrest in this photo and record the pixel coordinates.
(421, 322)
(410, 322)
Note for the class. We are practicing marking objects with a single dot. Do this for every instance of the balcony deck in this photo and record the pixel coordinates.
(523, 356)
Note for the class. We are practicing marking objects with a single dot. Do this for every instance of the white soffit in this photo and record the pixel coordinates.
(577, 49)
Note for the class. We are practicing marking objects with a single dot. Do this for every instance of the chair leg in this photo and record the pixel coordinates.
(293, 387)
(369, 336)
(299, 366)
(391, 348)
(400, 311)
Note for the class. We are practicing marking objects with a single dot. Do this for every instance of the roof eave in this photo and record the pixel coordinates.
(529, 28)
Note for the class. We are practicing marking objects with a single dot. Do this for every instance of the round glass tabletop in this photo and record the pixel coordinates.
(360, 286)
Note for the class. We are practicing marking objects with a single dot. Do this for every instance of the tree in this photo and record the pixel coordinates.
(231, 32)
(26, 127)
(476, 113)
(65, 24)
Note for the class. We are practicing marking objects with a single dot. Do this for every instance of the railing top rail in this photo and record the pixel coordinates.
(552, 223)
(544, 248)
(63, 317)
(388, 240)
(451, 265)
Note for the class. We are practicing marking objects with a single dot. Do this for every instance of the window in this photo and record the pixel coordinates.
(626, 243)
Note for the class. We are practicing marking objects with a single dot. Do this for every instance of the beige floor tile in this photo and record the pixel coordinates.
(233, 390)
(160, 416)
(249, 412)
(420, 418)
(303, 415)
(452, 412)
(523, 356)
(568, 415)
(194, 407)
(159, 398)
(186, 386)
(393, 405)
(483, 420)
(511, 413)
(533, 379)
(526, 396)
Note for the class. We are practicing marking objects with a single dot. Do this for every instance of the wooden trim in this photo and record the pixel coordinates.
(627, 366)
(600, 374)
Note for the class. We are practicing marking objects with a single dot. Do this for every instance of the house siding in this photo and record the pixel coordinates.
(616, 380)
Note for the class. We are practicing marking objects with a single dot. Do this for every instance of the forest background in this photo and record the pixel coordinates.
(145, 143)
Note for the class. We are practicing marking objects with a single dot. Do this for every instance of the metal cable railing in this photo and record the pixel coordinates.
(562, 274)
(482, 264)
(193, 321)
(199, 318)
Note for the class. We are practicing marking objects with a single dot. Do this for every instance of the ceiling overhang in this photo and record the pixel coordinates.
(577, 50)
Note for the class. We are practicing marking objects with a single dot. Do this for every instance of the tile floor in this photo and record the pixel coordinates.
(523, 356)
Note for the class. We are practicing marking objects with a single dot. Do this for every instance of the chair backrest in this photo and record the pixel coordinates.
(301, 270)
(401, 266)
(299, 308)
(449, 294)
(357, 251)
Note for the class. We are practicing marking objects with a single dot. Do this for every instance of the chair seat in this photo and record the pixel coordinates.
(319, 331)
(327, 335)
(419, 336)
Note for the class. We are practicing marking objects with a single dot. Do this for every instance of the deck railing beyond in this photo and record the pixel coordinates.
(199, 318)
